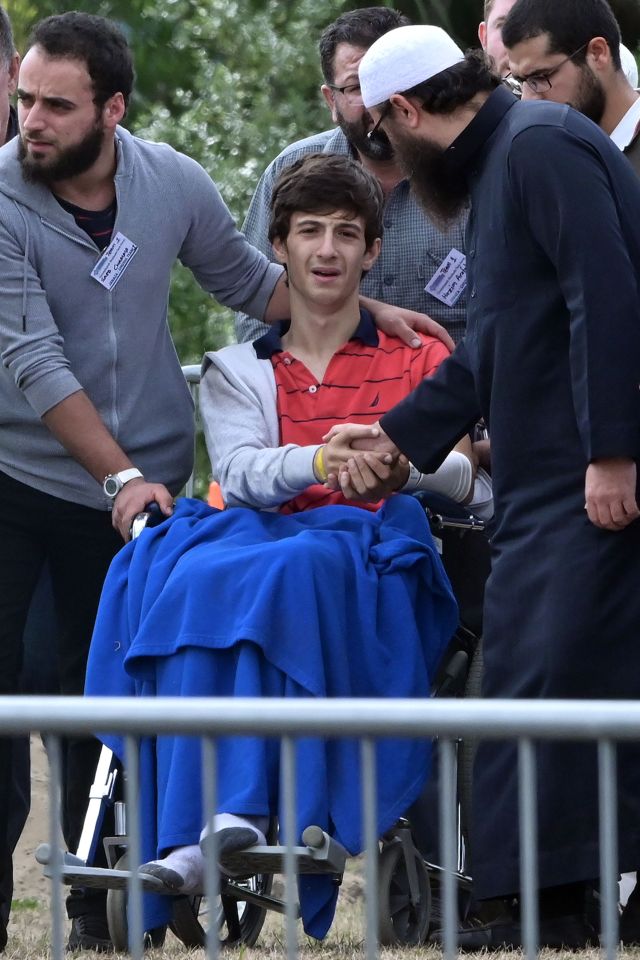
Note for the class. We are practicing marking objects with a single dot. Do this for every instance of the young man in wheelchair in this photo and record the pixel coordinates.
(282, 599)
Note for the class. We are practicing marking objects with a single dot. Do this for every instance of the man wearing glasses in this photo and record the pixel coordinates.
(415, 255)
(569, 52)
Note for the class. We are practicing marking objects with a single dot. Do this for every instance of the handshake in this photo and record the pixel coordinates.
(361, 461)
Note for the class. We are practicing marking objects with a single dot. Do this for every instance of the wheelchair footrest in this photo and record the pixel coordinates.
(74, 871)
(322, 854)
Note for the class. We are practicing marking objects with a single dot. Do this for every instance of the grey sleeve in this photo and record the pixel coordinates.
(223, 262)
(250, 472)
(256, 230)
(31, 345)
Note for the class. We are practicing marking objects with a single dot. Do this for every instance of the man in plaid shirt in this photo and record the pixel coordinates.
(415, 249)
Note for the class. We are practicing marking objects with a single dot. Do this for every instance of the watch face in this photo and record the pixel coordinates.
(111, 486)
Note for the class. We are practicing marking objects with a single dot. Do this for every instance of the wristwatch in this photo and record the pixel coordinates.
(114, 482)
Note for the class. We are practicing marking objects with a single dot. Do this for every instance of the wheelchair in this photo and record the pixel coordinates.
(405, 876)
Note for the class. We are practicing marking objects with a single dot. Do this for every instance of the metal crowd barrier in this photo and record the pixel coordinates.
(604, 722)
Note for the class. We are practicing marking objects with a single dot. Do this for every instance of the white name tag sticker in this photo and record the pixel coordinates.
(450, 279)
(114, 261)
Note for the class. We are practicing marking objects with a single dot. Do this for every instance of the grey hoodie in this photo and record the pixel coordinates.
(61, 331)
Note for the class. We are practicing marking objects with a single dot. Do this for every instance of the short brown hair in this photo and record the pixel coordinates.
(95, 41)
(570, 26)
(359, 28)
(488, 5)
(324, 183)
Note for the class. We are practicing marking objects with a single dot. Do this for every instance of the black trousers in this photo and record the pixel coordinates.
(39, 676)
(78, 543)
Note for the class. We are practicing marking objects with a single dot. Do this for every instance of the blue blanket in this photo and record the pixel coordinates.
(335, 602)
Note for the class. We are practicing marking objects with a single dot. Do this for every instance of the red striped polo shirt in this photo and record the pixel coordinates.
(367, 376)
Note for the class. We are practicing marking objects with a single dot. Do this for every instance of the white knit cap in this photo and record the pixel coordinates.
(404, 57)
(629, 65)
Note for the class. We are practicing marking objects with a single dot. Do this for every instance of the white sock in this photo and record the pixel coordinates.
(189, 863)
(222, 821)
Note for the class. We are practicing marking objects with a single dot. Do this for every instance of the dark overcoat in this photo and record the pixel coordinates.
(552, 361)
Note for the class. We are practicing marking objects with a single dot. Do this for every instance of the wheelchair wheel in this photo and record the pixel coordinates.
(237, 920)
(400, 921)
(117, 918)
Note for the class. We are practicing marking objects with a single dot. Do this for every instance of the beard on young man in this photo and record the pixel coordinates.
(438, 185)
(70, 162)
(376, 147)
(590, 98)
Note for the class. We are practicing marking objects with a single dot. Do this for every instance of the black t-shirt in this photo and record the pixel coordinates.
(98, 224)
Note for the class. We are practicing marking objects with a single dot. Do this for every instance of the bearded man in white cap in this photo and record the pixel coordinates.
(551, 359)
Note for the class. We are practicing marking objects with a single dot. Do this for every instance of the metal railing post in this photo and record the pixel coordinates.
(528, 819)
(370, 834)
(211, 869)
(288, 792)
(608, 820)
(448, 845)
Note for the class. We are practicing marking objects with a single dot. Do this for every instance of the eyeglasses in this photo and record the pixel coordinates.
(541, 82)
(384, 113)
(351, 92)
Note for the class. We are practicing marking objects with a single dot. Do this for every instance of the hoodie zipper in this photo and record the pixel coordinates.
(114, 428)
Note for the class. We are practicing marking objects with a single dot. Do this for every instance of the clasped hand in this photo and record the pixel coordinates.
(363, 463)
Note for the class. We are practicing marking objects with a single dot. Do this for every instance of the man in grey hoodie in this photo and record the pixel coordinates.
(96, 417)
(90, 385)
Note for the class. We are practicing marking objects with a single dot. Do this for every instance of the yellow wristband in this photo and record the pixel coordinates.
(319, 467)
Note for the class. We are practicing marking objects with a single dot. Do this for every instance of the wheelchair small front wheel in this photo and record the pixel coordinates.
(117, 921)
(237, 920)
(400, 920)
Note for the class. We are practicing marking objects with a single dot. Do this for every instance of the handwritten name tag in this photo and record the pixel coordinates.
(114, 261)
(450, 279)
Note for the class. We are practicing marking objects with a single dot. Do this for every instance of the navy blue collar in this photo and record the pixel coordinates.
(475, 135)
(271, 342)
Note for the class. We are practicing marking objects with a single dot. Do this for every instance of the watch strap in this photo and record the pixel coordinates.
(130, 474)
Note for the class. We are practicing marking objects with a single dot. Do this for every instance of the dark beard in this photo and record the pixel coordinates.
(70, 163)
(377, 147)
(438, 186)
(590, 98)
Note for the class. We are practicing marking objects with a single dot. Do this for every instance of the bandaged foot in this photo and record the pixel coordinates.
(233, 833)
(181, 871)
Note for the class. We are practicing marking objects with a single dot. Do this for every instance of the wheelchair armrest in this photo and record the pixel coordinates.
(444, 513)
(150, 517)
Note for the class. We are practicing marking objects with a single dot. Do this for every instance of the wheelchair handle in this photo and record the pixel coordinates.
(151, 516)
